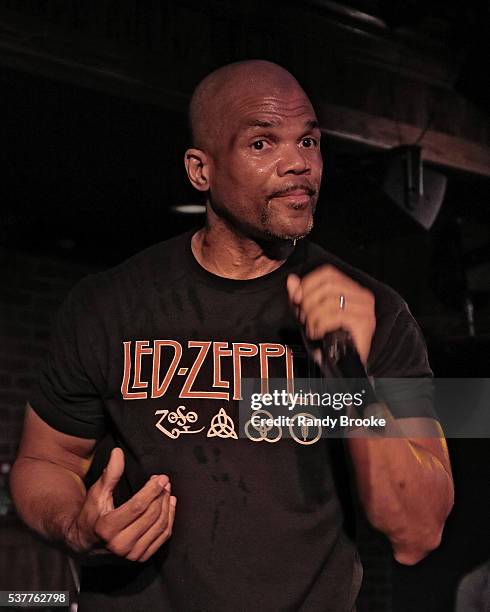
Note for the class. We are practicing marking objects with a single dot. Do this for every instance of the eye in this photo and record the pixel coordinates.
(258, 145)
(309, 142)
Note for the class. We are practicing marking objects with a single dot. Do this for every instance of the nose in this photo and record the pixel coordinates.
(293, 161)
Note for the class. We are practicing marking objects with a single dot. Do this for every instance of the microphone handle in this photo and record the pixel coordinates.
(341, 363)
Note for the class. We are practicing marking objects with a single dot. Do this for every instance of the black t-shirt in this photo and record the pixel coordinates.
(152, 353)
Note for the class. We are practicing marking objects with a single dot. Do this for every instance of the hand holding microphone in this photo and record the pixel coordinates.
(338, 322)
(326, 301)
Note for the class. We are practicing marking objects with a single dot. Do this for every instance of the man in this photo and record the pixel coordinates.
(154, 352)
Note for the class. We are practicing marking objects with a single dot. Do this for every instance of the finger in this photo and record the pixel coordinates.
(317, 357)
(359, 323)
(293, 285)
(127, 513)
(151, 550)
(323, 321)
(160, 530)
(173, 506)
(162, 527)
(316, 298)
(321, 304)
(147, 527)
(113, 470)
(330, 317)
(324, 275)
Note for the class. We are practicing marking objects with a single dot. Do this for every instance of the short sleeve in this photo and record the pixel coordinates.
(69, 390)
(401, 370)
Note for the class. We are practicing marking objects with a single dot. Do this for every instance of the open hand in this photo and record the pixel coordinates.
(136, 529)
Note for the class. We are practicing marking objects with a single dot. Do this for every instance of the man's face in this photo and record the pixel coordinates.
(266, 165)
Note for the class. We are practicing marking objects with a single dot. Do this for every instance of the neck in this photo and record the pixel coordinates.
(223, 251)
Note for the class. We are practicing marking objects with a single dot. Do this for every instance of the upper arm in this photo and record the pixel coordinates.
(41, 441)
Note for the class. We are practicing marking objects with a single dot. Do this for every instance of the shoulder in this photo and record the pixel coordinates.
(398, 347)
(389, 303)
(161, 259)
(159, 264)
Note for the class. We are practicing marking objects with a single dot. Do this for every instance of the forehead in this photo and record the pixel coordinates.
(277, 108)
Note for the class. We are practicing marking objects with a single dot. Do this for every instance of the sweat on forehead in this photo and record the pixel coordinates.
(209, 100)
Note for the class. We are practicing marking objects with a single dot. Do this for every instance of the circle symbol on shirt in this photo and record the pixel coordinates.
(262, 428)
(222, 426)
(301, 431)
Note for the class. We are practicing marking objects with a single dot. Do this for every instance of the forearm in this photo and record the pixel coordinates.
(47, 496)
(405, 489)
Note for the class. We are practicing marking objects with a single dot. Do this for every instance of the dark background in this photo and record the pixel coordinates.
(93, 106)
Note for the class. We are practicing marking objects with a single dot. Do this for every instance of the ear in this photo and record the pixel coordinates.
(197, 167)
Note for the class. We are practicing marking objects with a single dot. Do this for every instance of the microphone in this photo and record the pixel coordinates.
(341, 364)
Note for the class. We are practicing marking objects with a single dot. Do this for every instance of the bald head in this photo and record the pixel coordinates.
(212, 99)
(256, 139)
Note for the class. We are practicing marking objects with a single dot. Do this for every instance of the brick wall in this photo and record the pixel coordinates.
(33, 287)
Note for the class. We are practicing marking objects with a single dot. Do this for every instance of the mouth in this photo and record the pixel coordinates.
(295, 201)
(295, 196)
